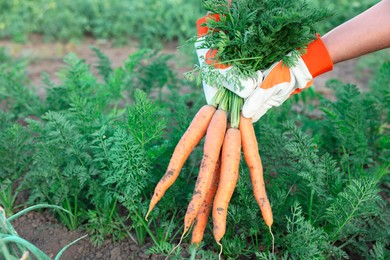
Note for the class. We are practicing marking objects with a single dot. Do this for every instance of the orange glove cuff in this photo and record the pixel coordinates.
(317, 58)
(200, 23)
(210, 60)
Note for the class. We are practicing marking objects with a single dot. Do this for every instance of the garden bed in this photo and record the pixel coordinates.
(178, 103)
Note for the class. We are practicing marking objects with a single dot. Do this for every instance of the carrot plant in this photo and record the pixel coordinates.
(87, 142)
(15, 98)
(15, 159)
(149, 21)
(76, 18)
(98, 146)
(17, 102)
(252, 35)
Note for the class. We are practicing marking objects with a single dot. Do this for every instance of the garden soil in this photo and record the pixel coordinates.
(44, 231)
(41, 228)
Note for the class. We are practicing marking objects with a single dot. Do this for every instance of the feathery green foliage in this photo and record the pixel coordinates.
(252, 35)
(15, 160)
(149, 21)
(16, 103)
(97, 146)
(90, 144)
(305, 240)
(14, 96)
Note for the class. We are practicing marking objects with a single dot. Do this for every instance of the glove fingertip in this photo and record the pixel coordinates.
(259, 114)
(245, 93)
(245, 113)
(255, 117)
(259, 79)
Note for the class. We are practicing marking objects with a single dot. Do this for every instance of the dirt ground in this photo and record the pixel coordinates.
(44, 231)
(41, 228)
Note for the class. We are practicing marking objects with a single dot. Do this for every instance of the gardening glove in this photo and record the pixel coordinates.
(206, 57)
(280, 81)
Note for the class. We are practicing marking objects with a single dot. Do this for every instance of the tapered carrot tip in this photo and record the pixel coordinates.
(219, 231)
(149, 211)
(267, 215)
(190, 139)
(147, 215)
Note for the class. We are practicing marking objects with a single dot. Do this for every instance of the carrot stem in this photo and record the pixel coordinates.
(230, 102)
(235, 110)
(219, 96)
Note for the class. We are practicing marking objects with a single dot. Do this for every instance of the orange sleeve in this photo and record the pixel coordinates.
(317, 58)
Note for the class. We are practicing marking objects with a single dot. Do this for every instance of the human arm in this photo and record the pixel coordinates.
(365, 33)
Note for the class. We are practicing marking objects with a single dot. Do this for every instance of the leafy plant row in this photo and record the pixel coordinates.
(149, 21)
(97, 144)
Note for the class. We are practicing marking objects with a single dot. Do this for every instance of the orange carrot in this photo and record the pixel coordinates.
(253, 160)
(194, 133)
(230, 161)
(204, 212)
(211, 150)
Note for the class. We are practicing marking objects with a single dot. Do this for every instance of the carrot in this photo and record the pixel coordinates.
(204, 212)
(230, 161)
(194, 133)
(253, 160)
(211, 150)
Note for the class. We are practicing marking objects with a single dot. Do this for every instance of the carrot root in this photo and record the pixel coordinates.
(204, 212)
(253, 160)
(273, 239)
(173, 249)
(212, 147)
(230, 161)
(194, 133)
(220, 251)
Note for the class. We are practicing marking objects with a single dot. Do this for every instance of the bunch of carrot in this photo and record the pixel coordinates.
(248, 35)
(226, 132)
(225, 136)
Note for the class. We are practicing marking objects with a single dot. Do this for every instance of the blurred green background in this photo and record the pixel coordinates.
(149, 21)
(156, 24)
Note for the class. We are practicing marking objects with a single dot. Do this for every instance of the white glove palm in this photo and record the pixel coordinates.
(278, 85)
(280, 81)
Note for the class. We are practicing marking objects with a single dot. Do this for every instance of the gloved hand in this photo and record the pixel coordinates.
(206, 56)
(280, 82)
